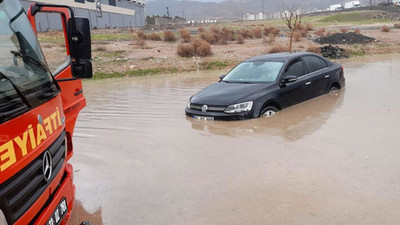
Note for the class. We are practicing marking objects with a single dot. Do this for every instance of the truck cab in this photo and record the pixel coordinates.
(38, 111)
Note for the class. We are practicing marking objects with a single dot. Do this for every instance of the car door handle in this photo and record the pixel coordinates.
(308, 83)
(327, 76)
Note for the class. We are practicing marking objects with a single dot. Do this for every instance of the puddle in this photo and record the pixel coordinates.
(330, 160)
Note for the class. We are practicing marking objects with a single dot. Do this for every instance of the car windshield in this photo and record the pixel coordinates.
(20, 64)
(254, 72)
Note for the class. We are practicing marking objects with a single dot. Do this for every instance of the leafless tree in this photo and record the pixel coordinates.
(292, 17)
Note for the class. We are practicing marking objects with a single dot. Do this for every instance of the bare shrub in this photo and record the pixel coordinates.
(155, 37)
(314, 49)
(308, 26)
(169, 36)
(228, 33)
(264, 40)
(304, 33)
(215, 30)
(320, 32)
(385, 28)
(297, 36)
(185, 35)
(185, 50)
(141, 43)
(141, 35)
(204, 49)
(210, 37)
(246, 33)
(397, 25)
(240, 39)
(271, 38)
(278, 48)
(196, 42)
(257, 31)
(268, 30)
(357, 31)
(344, 30)
(275, 31)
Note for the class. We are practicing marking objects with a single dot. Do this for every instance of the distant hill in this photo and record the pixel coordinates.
(228, 9)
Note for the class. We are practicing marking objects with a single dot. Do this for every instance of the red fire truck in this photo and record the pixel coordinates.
(38, 111)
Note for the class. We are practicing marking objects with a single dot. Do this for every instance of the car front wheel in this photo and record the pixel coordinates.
(268, 112)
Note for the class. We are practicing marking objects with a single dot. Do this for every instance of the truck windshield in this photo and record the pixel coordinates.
(23, 79)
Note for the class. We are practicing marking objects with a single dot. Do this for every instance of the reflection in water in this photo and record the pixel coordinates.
(292, 123)
(79, 215)
(331, 160)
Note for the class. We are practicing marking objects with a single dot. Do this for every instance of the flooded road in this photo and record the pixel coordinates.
(331, 160)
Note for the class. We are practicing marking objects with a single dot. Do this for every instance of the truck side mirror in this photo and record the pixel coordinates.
(82, 69)
(79, 38)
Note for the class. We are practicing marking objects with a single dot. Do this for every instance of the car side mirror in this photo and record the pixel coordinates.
(79, 38)
(289, 79)
(82, 69)
(222, 77)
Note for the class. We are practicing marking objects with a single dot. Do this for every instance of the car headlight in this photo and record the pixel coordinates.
(3, 218)
(188, 105)
(241, 107)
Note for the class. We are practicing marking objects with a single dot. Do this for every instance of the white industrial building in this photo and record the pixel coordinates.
(101, 13)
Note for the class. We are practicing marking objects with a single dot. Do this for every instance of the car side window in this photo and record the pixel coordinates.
(295, 68)
(314, 63)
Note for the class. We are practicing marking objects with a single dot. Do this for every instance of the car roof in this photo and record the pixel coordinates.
(279, 57)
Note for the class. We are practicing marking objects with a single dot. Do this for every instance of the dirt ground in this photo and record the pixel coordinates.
(118, 51)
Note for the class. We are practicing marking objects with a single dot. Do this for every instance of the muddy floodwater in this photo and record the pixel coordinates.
(332, 160)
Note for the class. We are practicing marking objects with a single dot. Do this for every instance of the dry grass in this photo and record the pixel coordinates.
(203, 49)
(278, 48)
(228, 33)
(155, 37)
(357, 31)
(169, 36)
(240, 39)
(271, 38)
(385, 28)
(185, 35)
(268, 30)
(185, 50)
(314, 49)
(100, 49)
(200, 29)
(320, 32)
(308, 26)
(246, 33)
(275, 31)
(344, 30)
(397, 25)
(141, 35)
(257, 31)
(141, 43)
(297, 36)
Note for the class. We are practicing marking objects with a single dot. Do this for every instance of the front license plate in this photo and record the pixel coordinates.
(59, 213)
(204, 118)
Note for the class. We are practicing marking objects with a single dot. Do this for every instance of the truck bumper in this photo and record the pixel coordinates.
(65, 189)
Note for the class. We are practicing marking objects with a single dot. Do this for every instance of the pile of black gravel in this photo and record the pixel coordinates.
(334, 52)
(345, 39)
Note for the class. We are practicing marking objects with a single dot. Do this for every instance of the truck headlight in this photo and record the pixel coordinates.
(241, 107)
(3, 218)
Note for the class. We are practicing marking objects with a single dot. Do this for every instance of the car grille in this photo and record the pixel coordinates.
(22, 190)
(210, 108)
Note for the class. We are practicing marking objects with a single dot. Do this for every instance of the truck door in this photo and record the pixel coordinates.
(71, 92)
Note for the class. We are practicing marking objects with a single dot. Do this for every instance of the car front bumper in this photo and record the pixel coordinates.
(219, 115)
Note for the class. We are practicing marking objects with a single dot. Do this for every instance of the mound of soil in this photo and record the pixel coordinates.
(334, 52)
(345, 39)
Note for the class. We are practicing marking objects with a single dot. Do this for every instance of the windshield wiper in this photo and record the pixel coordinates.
(19, 92)
(35, 62)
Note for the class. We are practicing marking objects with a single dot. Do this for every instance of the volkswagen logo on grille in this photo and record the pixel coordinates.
(47, 165)
(204, 108)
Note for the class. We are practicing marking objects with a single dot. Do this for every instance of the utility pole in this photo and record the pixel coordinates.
(167, 11)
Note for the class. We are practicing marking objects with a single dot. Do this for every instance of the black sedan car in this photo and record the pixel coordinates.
(263, 85)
